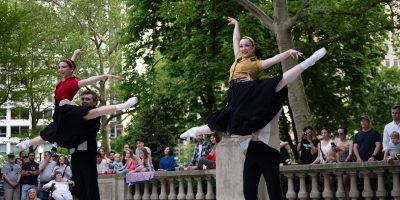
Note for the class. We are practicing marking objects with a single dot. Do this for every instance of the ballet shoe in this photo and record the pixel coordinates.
(314, 58)
(189, 133)
(23, 145)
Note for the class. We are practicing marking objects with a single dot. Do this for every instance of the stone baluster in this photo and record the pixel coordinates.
(189, 194)
(367, 193)
(200, 193)
(181, 194)
(163, 192)
(146, 191)
(137, 195)
(381, 191)
(354, 193)
(154, 191)
(210, 191)
(290, 194)
(396, 184)
(340, 193)
(128, 192)
(303, 194)
(315, 193)
(327, 193)
(172, 193)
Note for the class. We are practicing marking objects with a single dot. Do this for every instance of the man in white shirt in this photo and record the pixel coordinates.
(392, 126)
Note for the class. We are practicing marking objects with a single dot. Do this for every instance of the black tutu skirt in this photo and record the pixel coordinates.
(69, 128)
(251, 106)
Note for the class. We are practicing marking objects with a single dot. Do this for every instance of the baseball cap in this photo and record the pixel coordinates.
(11, 155)
(366, 117)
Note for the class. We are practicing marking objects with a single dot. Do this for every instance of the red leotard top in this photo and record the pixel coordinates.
(66, 89)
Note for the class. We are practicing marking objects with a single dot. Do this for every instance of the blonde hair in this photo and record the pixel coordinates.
(395, 134)
(251, 40)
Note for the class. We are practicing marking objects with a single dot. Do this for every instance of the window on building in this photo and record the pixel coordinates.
(396, 62)
(387, 62)
(116, 131)
(3, 131)
(3, 148)
(19, 113)
(19, 131)
(3, 113)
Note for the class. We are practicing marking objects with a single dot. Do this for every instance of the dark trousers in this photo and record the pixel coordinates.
(261, 159)
(84, 170)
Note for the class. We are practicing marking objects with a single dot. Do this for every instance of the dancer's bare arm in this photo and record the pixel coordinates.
(236, 35)
(94, 79)
(278, 58)
(76, 54)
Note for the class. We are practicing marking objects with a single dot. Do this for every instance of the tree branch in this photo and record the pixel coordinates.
(347, 36)
(299, 12)
(118, 114)
(257, 12)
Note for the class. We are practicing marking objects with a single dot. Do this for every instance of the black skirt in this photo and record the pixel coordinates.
(251, 106)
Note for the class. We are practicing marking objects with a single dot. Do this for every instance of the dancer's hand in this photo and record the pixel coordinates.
(113, 77)
(295, 54)
(232, 21)
(65, 102)
(246, 78)
(78, 51)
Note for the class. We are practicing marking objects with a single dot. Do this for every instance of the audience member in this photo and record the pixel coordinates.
(102, 152)
(63, 167)
(126, 148)
(167, 163)
(46, 168)
(345, 145)
(24, 156)
(101, 166)
(11, 176)
(393, 150)
(145, 163)
(19, 161)
(29, 176)
(140, 144)
(325, 148)
(201, 149)
(117, 164)
(32, 194)
(308, 146)
(53, 150)
(284, 153)
(392, 126)
(130, 165)
(367, 141)
(60, 187)
(210, 161)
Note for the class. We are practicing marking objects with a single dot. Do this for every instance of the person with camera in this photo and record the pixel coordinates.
(326, 148)
(307, 146)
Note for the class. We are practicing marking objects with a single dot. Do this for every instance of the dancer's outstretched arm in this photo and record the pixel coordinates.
(104, 110)
(76, 54)
(290, 75)
(94, 79)
(236, 35)
(278, 58)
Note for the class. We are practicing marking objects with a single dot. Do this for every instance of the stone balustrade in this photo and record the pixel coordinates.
(165, 185)
(364, 180)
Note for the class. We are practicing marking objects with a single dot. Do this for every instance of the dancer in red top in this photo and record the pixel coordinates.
(65, 89)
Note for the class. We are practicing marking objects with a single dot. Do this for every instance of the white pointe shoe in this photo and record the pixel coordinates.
(316, 56)
(189, 133)
(132, 101)
(23, 145)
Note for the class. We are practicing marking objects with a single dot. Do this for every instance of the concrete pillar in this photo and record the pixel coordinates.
(230, 159)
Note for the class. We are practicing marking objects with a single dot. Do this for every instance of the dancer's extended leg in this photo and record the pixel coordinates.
(195, 131)
(106, 110)
(290, 75)
(32, 142)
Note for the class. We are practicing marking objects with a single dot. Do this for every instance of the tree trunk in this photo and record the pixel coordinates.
(297, 96)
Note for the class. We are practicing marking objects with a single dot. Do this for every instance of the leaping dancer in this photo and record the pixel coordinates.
(253, 109)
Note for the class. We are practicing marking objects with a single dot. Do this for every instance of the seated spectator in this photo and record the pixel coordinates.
(325, 148)
(101, 166)
(201, 149)
(140, 144)
(393, 150)
(308, 146)
(345, 145)
(145, 163)
(284, 153)
(117, 164)
(130, 164)
(210, 161)
(167, 163)
(63, 167)
(32, 194)
(60, 187)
